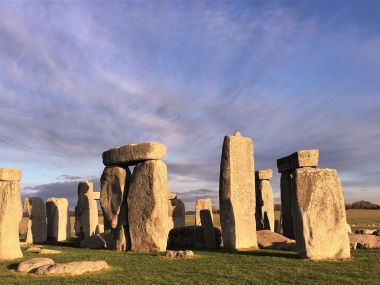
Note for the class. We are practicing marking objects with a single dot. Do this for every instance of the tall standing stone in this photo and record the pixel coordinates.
(208, 228)
(37, 226)
(202, 204)
(319, 217)
(264, 200)
(113, 200)
(237, 193)
(58, 222)
(10, 213)
(148, 207)
(176, 212)
(86, 211)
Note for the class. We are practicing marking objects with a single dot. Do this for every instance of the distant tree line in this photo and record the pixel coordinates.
(363, 205)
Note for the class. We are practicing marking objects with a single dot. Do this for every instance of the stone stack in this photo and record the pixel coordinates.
(264, 200)
(202, 204)
(315, 205)
(86, 211)
(37, 227)
(58, 220)
(135, 206)
(176, 211)
(237, 193)
(10, 213)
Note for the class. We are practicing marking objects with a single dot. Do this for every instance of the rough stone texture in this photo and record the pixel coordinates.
(132, 154)
(202, 204)
(10, 217)
(176, 213)
(49, 251)
(37, 227)
(270, 240)
(172, 196)
(86, 211)
(10, 174)
(113, 200)
(58, 221)
(364, 241)
(72, 268)
(31, 265)
(263, 174)
(299, 159)
(319, 217)
(286, 205)
(348, 228)
(237, 193)
(34, 249)
(148, 207)
(96, 195)
(94, 242)
(208, 228)
(264, 206)
(191, 237)
(179, 254)
(365, 231)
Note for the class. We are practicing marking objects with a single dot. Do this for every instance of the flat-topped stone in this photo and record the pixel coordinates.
(263, 174)
(299, 159)
(10, 174)
(132, 154)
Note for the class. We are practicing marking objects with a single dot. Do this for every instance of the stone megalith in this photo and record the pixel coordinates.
(37, 227)
(58, 220)
(286, 166)
(319, 217)
(86, 211)
(10, 213)
(208, 228)
(113, 200)
(148, 207)
(176, 212)
(202, 204)
(237, 193)
(264, 200)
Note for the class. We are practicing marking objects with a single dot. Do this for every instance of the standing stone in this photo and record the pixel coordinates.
(237, 193)
(58, 222)
(176, 212)
(264, 201)
(132, 154)
(299, 159)
(10, 213)
(319, 217)
(202, 204)
(148, 207)
(113, 200)
(208, 228)
(37, 227)
(286, 205)
(86, 211)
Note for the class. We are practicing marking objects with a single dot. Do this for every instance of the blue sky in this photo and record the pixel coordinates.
(78, 78)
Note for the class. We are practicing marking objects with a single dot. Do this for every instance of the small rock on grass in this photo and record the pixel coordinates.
(33, 264)
(179, 254)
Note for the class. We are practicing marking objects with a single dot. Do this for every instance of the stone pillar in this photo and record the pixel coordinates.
(202, 204)
(176, 212)
(113, 200)
(237, 193)
(58, 220)
(86, 211)
(148, 207)
(264, 200)
(208, 228)
(37, 226)
(10, 213)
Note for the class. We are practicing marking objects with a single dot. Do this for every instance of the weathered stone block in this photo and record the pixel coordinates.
(58, 222)
(191, 237)
(286, 205)
(263, 174)
(10, 174)
(302, 158)
(237, 193)
(264, 206)
(208, 228)
(132, 154)
(176, 213)
(319, 217)
(37, 226)
(202, 204)
(148, 207)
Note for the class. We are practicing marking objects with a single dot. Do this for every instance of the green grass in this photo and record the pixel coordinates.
(207, 267)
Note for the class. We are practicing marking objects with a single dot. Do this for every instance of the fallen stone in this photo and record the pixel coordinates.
(58, 221)
(202, 204)
(191, 237)
(132, 154)
(10, 174)
(179, 254)
(263, 174)
(73, 268)
(299, 159)
(148, 207)
(31, 265)
(34, 249)
(364, 241)
(37, 227)
(319, 216)
(237, 193)
(94, 242)
(376, 233)
(10, 217)
(264, 206)
(365, 231)
(49, 251)
(270, 240)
